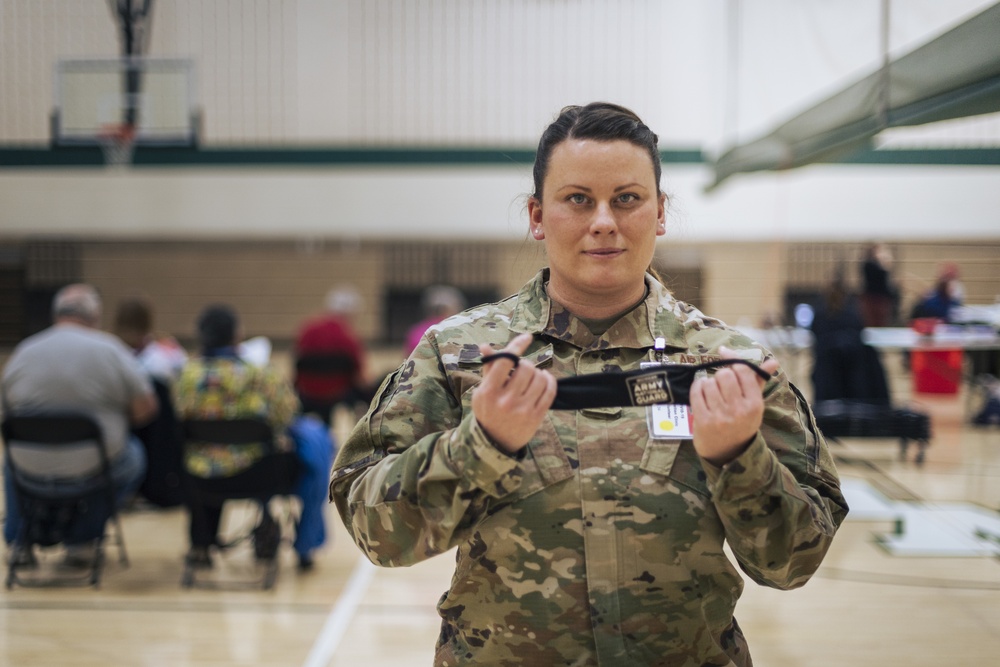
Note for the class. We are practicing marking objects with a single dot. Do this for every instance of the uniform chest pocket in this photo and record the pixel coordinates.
(676, 461)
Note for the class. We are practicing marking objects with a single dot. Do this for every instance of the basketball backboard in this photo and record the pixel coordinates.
(92, 98)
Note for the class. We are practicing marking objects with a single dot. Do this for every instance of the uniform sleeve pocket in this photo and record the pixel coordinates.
(541, 358)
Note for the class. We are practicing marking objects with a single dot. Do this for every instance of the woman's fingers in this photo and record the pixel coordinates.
(727, 408)
(499, 371)
(744, 373)
(513, 397)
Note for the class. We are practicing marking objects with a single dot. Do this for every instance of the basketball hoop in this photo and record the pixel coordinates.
(117, 143)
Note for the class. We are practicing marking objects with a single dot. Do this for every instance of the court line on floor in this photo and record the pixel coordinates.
(341, 615)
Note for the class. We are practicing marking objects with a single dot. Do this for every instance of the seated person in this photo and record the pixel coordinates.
(159, 354)
(162, 357)
(220, 385)
(72, 366)
(990, 411)
(439, 302)
(331, 334)
(945, 297)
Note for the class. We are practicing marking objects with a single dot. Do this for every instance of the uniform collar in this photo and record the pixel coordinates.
(659, 315)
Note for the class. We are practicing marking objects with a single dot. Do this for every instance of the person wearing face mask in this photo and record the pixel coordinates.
(537, 435)
(944, 298)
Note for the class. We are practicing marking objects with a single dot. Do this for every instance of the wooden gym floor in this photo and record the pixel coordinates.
(925, 597)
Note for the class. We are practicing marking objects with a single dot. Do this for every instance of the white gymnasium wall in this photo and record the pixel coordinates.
(447, 72)
(819, 203)
(479, 73)
(425, 72)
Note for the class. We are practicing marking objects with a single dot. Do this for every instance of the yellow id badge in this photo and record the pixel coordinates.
(668, 421)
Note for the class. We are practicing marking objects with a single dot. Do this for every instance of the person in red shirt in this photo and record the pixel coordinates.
(329, 356)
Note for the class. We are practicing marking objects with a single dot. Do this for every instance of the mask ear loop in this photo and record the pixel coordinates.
(501, 355)
(730, 362)
(705, 366)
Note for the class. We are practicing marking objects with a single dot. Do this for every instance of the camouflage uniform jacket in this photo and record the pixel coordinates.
(601, 545)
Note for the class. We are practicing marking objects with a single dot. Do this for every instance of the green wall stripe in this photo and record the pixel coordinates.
(927, 156)
(90, 156)
(79, 156)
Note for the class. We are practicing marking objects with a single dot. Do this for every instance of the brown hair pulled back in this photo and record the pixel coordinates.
(600, 121)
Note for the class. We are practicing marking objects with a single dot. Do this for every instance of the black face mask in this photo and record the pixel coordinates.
(647, 386)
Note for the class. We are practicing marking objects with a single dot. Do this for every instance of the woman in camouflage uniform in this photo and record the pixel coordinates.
(591, 536)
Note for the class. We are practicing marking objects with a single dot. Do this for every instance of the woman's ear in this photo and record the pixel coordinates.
(535, 218)
(661, 215)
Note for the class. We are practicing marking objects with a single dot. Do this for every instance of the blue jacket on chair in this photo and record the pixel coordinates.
(315, 449)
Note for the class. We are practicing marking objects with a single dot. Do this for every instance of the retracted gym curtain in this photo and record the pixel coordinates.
(955, 75)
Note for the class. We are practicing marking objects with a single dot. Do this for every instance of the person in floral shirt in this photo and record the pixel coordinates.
(218, 384)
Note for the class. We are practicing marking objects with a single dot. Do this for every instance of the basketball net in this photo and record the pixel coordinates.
(117, 142)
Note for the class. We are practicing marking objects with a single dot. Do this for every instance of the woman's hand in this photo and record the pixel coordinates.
(727, 409)
(511, 401)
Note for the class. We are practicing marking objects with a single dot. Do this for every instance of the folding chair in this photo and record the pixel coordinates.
(327, 367)
(856, 419)
(274, 475)
(161, 438)
(52, 513)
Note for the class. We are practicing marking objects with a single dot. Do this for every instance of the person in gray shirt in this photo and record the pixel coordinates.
(73, 366)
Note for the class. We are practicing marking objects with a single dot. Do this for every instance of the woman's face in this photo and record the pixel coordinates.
(600, 214)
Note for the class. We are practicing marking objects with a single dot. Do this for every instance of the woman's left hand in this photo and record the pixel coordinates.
(727, 409)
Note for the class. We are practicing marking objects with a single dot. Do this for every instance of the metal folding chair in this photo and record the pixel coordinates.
(274, 475)
(327, 367)
(50, 513)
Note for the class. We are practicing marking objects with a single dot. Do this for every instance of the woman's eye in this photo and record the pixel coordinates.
(628, 198)
(578, 199)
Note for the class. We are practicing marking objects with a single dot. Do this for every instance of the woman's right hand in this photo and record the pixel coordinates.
(512, 399)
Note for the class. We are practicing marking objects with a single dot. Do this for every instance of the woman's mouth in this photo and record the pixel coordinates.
(602, 253)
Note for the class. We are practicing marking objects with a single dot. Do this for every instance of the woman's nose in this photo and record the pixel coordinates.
(604, 220)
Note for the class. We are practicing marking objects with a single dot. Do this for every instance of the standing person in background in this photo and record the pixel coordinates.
(590, 535)
(439, 302)
(74, 366)
(879, 297)
(843, 366)
(329, 356)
